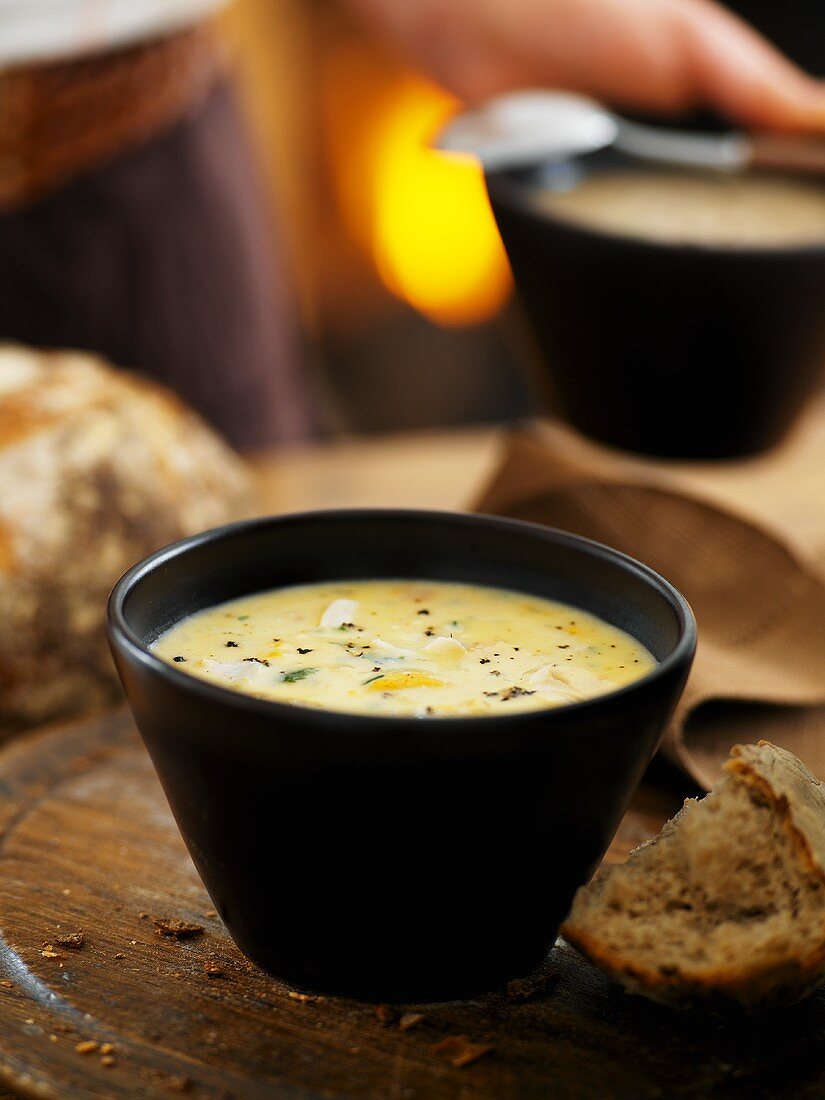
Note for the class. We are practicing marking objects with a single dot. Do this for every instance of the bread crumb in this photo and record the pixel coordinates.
(176, 929)
(410, 1020)
(386, 1015)
(459, 1051)
(73, 940)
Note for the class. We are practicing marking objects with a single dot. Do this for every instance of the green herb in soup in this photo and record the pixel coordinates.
(416, 648)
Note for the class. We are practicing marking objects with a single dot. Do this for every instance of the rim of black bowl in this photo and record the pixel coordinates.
(368, 723)
(512, 188)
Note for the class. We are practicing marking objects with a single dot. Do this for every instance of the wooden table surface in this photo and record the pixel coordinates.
(428, 470)
(583, 1033)
(444, 470)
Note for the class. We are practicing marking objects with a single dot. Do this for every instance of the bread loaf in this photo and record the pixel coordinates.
(727, 903)
(97, 469)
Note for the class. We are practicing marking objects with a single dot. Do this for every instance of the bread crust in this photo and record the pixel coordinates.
(98, 468)
(796, 797)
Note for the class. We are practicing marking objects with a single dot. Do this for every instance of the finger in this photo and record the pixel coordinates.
(736, 71)
(628, 52)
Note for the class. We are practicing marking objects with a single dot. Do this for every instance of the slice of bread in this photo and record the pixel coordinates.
(727, 903)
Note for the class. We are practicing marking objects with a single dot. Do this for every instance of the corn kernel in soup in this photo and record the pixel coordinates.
(405, 647)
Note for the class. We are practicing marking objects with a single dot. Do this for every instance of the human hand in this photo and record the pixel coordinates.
(663, 55)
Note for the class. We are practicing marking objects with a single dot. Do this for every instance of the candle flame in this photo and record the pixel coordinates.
(434, 239)
(423, 218)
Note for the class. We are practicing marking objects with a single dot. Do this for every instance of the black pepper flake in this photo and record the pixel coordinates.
(179, 659)
(231, 645)
(562, 647)
(514, 692)
(484, 661)
(304, 650)
(429, 632)
(377, 668)
(515, 647)
(423, 611)
(257, 660)
(491, 694)
(494, 672)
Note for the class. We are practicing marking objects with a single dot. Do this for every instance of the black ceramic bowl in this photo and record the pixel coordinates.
(394, 858)
(664, 349)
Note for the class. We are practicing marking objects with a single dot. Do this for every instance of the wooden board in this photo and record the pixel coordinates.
(87, 843)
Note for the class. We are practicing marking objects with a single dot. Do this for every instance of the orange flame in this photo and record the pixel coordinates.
(434, 238)
(423, 217)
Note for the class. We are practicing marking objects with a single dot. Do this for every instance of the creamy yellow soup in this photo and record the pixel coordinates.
(402, 647)
(695, 208)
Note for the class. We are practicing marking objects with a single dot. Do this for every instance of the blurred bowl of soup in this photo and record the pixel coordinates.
(675, 312)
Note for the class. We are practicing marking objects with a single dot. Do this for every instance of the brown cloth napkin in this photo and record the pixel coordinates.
(743, 540)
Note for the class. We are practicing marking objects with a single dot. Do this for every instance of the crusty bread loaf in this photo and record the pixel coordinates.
(97, 468)
(727, 903)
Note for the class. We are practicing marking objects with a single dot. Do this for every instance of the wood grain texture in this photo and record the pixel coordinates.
(87, 842)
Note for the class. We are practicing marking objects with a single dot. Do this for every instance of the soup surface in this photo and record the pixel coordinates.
(402, 647)
(696, 208)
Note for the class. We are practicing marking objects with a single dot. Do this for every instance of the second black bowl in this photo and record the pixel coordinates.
(395, 858)
(664, 349)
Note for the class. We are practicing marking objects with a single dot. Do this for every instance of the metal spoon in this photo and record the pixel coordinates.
(524, 128)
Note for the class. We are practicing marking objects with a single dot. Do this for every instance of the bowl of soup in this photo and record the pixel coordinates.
(396, 742)
(673, 312)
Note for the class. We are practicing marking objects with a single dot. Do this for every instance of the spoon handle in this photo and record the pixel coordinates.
(784, 151)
